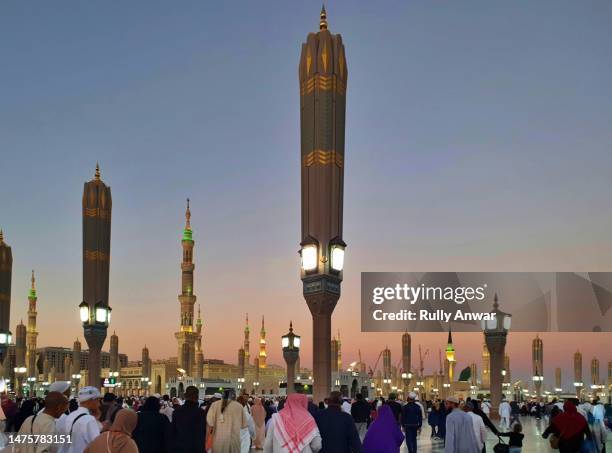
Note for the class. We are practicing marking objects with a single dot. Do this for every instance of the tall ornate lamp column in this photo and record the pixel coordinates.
(323, 77)
(6, 270)
(495, 332)
(94, 310)
(291, 352)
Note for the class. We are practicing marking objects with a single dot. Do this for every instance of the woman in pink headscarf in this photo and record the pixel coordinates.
(258, 412)
(293, 429)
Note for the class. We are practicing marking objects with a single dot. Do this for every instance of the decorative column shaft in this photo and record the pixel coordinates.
(496, 344)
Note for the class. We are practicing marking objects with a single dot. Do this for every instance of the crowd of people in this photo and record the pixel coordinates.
(230, 423)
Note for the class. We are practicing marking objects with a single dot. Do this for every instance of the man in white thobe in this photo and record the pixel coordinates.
(480, 430)
(460, 436)
(504, 415)
(82, 425)
(42, 424)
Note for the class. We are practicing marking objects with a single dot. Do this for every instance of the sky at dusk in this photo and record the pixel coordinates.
(478, 139)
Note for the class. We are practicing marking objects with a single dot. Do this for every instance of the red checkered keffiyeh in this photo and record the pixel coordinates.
(295, 427)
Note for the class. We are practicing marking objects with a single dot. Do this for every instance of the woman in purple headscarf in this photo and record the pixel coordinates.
(384, 435)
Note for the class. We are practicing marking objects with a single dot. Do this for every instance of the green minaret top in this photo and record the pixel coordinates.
(246, 327)
(187, 233)
(1, 236)
(32, 294)
(449, 346)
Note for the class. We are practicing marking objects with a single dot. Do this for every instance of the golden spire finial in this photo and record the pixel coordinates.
(188, 217)
(1, 236)
(33, 280)
(97, 174)
(323, 21)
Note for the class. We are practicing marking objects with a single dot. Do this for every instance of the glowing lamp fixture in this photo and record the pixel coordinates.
(309, 257)
(337, 246)
(290, 340)
(6, 338)
(84, 311)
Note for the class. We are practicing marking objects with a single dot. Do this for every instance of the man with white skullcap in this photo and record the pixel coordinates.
(82, 425)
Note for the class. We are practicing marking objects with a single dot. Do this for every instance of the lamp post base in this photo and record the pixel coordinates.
(321, 294)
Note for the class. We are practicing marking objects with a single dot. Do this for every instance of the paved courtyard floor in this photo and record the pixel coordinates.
(533, 441)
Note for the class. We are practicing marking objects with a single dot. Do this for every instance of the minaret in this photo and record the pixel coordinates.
(241, 363)
(450, 356)
(6, 269)
(486, 367)
(247, 342)
(558, 382)
(339, 352)
(199, 358)
(386, 356)
(67, 368)
(20, 354)
(97, 208)
(595, 371)
(262, 345)
(186, 336)
(76, 357)
(537, 353)
(473, 374)
(578, 384)
(32, 334)
(146, 362)
(114, 352)
(406, 352)
(323, 78)
(334, 355)
(46, 369)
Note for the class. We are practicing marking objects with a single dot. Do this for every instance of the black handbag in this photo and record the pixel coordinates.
(501, 447)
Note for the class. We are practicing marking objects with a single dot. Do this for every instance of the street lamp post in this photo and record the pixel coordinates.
(446, 386)
(94, 310)
(495, 332)
(406, 378)
(322, 189)
(6, 337)
(144, 385)
(420, 389)
(538, 379)
(77, 379)
(20, 371)
(291, 352)
(31, 380)
(578, 386)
